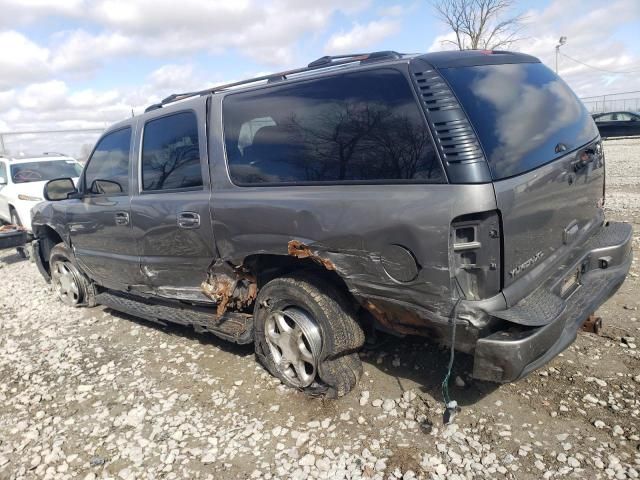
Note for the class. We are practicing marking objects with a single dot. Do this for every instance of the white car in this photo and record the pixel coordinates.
(22, 181)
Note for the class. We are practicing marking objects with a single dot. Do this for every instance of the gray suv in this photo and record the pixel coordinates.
(454, 195)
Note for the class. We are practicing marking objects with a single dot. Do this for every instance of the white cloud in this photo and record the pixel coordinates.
(266, 32)
(21, 60)
(7, 100)
(172, 76)
(161, 28)
(17, 12)
(50, 95)
(361, 37)
(589, 27)
(81, 51)
(443, 42)
(392, 11)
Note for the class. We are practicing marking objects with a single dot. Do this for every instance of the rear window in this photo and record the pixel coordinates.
(356, 127)
(521, 113)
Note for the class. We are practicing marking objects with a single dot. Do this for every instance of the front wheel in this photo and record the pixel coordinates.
(70, 285)
(15, 218)
(307, 335)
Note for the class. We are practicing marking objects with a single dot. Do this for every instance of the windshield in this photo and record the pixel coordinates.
(521, 112)
(48, 170)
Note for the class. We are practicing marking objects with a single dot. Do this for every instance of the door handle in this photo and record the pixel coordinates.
(122, 218)
(188, 220)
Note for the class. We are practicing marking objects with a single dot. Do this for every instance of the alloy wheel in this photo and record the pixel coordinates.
(66, 281)
(295, 343)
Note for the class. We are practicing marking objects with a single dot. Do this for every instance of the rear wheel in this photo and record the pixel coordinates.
(70, 285)
(307, 335)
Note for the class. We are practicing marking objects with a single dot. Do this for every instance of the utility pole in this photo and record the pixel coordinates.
(561, 42)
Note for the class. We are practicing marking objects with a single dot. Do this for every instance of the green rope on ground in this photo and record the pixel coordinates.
(454, 316)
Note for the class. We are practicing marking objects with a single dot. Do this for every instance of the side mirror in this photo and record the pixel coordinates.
(59, 189)
(106, 187)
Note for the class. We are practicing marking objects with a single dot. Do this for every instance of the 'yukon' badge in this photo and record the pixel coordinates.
(523, 266)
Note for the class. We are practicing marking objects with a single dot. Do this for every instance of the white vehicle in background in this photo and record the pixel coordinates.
(22, 181)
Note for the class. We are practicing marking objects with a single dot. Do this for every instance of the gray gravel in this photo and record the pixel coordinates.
(89, 393)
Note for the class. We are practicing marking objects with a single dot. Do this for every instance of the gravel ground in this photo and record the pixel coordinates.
(91, 393)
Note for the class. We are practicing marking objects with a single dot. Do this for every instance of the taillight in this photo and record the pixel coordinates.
(476, 254)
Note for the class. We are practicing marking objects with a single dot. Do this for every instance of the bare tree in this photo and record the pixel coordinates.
(480, 24)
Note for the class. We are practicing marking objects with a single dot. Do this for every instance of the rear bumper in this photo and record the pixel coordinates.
(514, 352)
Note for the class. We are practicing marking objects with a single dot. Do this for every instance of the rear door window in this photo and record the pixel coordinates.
(521, 112)
(171, 153)
(356, 127)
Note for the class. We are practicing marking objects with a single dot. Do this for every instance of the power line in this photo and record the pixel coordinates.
(598, 68)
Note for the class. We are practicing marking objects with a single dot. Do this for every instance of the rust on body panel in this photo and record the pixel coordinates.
(397, 320)
(300, 250)
(230, 286)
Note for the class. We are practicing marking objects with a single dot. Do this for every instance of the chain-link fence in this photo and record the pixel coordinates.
(613, 102)
(76, 143)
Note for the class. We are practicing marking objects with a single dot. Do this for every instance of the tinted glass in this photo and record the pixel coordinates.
(39, 171)
(521, 112)
(170, 153)
(110, 163)
(357, 127)
(605, 118)
(624, 117)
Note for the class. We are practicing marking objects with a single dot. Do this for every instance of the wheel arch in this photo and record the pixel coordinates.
(266, 267)
(47, 237)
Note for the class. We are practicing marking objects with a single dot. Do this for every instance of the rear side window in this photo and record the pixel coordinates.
(624, 117)
(107, 170)
(356, 127)
(521, 112)
(171, 153)
(605, 118)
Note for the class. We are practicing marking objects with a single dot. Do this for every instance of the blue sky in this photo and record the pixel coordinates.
(87, 63)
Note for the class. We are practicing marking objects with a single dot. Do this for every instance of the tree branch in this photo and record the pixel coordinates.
(479, 23)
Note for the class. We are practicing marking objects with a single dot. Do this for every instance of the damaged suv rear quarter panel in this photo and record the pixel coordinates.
(348, 226)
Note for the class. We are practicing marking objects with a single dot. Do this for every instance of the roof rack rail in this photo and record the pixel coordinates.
(363, 57)
(323, 62)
